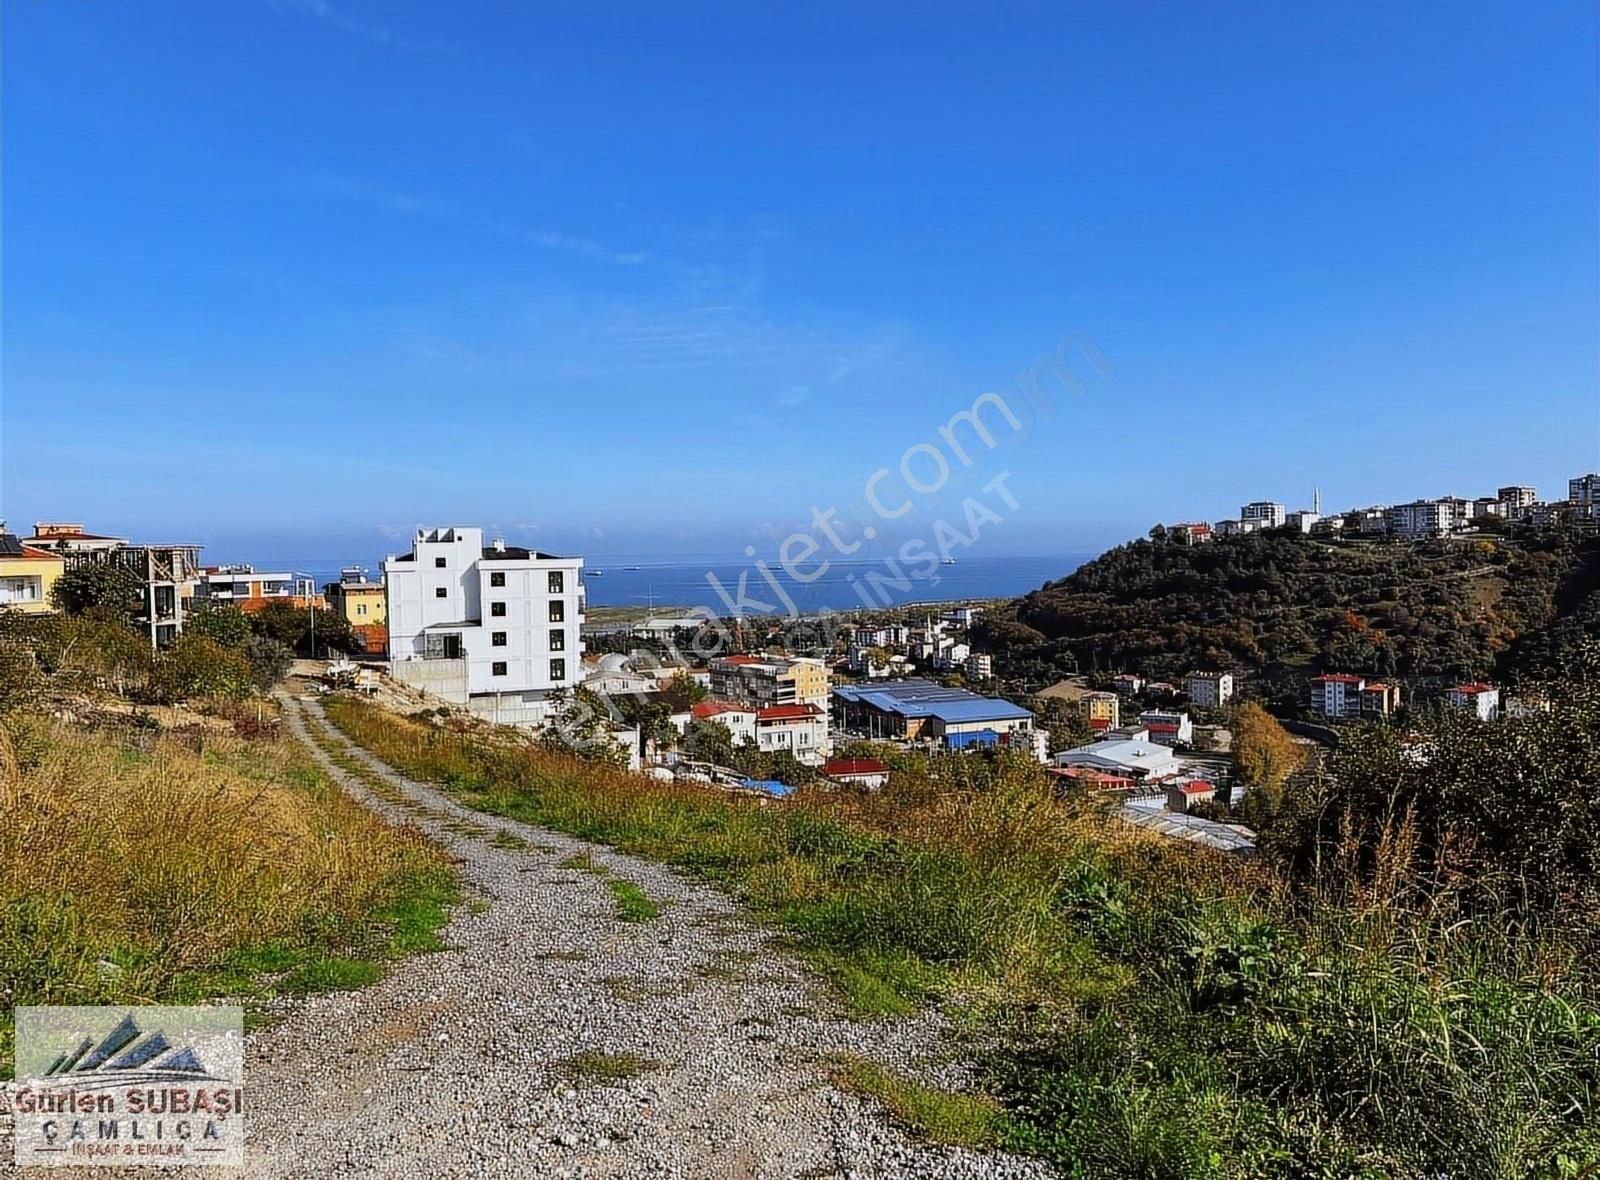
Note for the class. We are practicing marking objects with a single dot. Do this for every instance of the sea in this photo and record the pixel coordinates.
(846, 585)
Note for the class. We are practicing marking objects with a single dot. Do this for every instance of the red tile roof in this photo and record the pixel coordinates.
(712, 708)
(1473, 689)
(788, 712)
(849, 766)
(1098, 779)
(1197, 787)
(1336, 678)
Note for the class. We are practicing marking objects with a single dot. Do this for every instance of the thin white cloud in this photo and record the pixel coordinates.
(409, 205)
(328, 14)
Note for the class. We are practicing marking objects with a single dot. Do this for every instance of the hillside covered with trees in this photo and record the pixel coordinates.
(1283, 606)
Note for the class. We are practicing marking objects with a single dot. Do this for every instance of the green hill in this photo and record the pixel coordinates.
(1283, 606)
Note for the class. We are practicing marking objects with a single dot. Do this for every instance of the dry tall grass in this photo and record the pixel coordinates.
(136, 866)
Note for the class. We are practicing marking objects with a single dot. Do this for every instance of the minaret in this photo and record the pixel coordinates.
(1316, 501)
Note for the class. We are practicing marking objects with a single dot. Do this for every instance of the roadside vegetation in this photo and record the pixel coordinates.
(161, 842)
(142, 866)
(1341, 1007)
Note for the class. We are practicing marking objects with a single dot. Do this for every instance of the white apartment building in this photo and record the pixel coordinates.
(1426, 518)
(240, 584)
(1302, 521)
(980, 666)
(1516, 497)
(1481, 700)
(740, 720)
(1210, 689)
(1337, 695)
(495, 628)
(1268, 513)
(802, 730)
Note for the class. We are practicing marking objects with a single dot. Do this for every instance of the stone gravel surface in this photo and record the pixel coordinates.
(467, 1062)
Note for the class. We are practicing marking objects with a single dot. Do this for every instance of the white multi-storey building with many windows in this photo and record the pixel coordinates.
(1269, 513)
(495, 628)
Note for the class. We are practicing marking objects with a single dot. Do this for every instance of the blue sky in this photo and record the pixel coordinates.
(291, 278)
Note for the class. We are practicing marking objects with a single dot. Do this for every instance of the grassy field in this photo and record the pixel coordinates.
(140, 867)
(1136, 1009)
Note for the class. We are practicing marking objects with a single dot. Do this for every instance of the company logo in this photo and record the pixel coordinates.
(107, 1086)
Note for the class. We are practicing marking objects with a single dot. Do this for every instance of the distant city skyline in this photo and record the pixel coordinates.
(290, 279)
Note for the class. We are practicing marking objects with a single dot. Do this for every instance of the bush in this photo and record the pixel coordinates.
(104, 586)
(195, 666)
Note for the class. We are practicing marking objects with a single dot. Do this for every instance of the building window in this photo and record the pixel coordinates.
(558, 611)
(558, 669)
(361, 608)
(438, 563)
(441, 592)
(498, 668)
(558, 641)
(558, 582)
(497, 639)
(497, 578)
(497, 610)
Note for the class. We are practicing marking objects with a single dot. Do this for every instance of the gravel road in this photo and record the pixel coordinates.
(461, 1063)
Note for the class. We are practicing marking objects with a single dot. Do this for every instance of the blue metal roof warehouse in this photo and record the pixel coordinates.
(912, 709)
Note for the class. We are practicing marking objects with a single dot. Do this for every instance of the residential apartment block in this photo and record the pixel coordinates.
(1267, 514)
(364, 605)
(1583, 494)
(242, 586)
(763, 681)
(495, 628)
(1210, 690)
(1166, 727)
(1102, 710)
(801, 730)
(1336, 695)
(1481, 700)
(1339, 696)
(1517, 497)
(1420, 518)
(740, 720)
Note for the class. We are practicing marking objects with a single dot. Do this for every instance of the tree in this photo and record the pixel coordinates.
(104, 586)
(291, 625)
(269, 660)
(1503, 811)
(682, 692)
(195, 666)
(1266, 756)
(709, 741)
(221, 623)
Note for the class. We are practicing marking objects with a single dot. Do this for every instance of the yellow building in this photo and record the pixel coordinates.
(1102, 710)
(27, 576)
(812, 682)
(361, 602)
